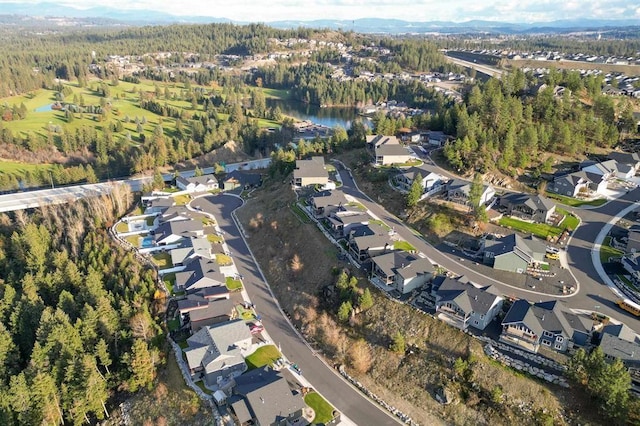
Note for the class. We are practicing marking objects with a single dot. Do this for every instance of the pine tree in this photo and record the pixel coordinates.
(398, 343)
(415, 192)
(344, 311)
(365, 301)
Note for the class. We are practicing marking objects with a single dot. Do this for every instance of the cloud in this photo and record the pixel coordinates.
(410, 10)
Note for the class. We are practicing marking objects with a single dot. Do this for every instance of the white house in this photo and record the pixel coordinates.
(202, 183)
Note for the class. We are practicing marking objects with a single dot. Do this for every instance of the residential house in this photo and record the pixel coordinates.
(310, 172)
(327, 202)
(365, 247)
(202, 183)
(458, 191)
(238, 179)
(263, 397)
(630, 159)
(631, 264)
(388, 150)
(214, 353)
(343, 221)
(159, 205)
(430, 178)
(549, 324)
(514, 253)
(535, 208)
(620, 342)
(401, 271)
(173, 232)
(580, 183)
(633, 239)
(463, 304)
(199, 273)
(191, 248)
(175, 213)
(198, 311)
(609, 169)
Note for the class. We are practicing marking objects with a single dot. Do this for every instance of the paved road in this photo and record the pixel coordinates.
(348, 400)
(485, 69)
(593, 294)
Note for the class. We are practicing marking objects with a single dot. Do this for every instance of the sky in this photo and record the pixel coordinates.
(517, 11)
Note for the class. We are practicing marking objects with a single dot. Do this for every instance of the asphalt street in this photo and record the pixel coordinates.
(341, 394)
(592, 294)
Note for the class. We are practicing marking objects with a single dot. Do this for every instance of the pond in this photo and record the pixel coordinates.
(44, 108)
(330, 117)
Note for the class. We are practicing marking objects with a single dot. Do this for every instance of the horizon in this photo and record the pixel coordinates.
(419, 11)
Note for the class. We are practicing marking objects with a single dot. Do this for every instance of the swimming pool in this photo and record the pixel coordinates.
(147, 242)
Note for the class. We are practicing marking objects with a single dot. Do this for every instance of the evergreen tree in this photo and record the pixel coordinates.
(365, 301)
(398, 343)
(415, 192)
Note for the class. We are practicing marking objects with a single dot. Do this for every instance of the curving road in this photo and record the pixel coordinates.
(342, 395)
(592, 295)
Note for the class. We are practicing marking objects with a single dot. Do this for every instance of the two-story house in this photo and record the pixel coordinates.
(430, 178)
(368, 241)
(535, 208)
(388, 150)
(548, 324)
(401, 271)
(513, 253)
(458, 191)
(463, 304)
(202, 183)
(175, 231)
(199, 273)
(310, 172)
(326, 202)
(214, 353)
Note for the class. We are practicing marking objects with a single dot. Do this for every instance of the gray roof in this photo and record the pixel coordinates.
(192, 302)
(467, 296)
(544, 316)
(621, 331)
(244, 178)
(463, 186)
(368, 229)
(176, 212)
(534, 202)
(200, 273)
(194, 246)
(311, 168)
(423, 170)
(268, 395)
(202, 180)
(350, 218)
(216, 292)
(329, 198)
(391, 262)
(216, 347)
(625, 351)
(378, 140)
(212, 309)
(528, 249)
(180, 228)
(628, 158)
(240, 409)
(373, 242)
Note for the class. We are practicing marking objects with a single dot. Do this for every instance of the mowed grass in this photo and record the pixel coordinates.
(276, 93)
(322, 409)
(574, 202)
(265, 355)
(403, 245)
(233, 284)
(162, 260)
(606, 251)
(540, 230)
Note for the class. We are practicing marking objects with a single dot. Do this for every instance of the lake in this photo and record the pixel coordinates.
(330, 117)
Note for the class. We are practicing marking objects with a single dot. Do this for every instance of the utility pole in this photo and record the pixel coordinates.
(51, 177)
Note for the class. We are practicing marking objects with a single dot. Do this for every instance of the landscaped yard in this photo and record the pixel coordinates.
(245, 314)
(323, 410)
(411, 163)
(181, 200)
(570, 221)
(265, 355)
(574, 202)
(150, 220)
(540, 230)
(381, 223)
(173, 324)
(403, 245)
(122, 227)
(170, 281)
(214, 238)
(162, 260)
(223, 260)
(207, 221)
(134, 240)
(357, 205)
(298, 212)
(233, 285)
(606, 251)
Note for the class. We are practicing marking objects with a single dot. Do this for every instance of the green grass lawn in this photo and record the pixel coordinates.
(122, 227)
(245, 314)
(410, 163)
(540, 230)
(574, 202)
(201, 386)
(381, 223)
(216, 239)
(169, 281)
(223, 260)
(265, 355)
(173, 324)
(162, 260)
(276, 93)
(357, 205)
(149, 220)
(134, 240)
(569, 221)
(323, 410)
(207, 221)
(403, 245)
(182, 200)
(295, 208)
(606, 251)
(232, 284)
(18, 168)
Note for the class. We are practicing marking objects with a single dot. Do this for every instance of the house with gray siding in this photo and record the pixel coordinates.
(535, 208)
(513, 253)
(401, 271)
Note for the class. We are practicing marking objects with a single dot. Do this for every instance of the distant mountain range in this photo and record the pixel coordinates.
(110, 16)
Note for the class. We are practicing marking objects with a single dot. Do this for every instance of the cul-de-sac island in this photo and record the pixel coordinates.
(347, 222)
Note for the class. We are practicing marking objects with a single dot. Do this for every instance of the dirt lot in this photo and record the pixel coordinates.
(299, 263)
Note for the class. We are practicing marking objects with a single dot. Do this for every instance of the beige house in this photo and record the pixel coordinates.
(310, 172)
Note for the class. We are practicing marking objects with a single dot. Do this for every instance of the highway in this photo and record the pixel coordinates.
(484, 69)
(345, 398)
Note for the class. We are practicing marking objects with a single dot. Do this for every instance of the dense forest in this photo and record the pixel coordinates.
(78, 314)
(507, 123)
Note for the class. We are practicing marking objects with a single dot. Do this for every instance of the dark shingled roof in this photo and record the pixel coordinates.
(467, 296)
